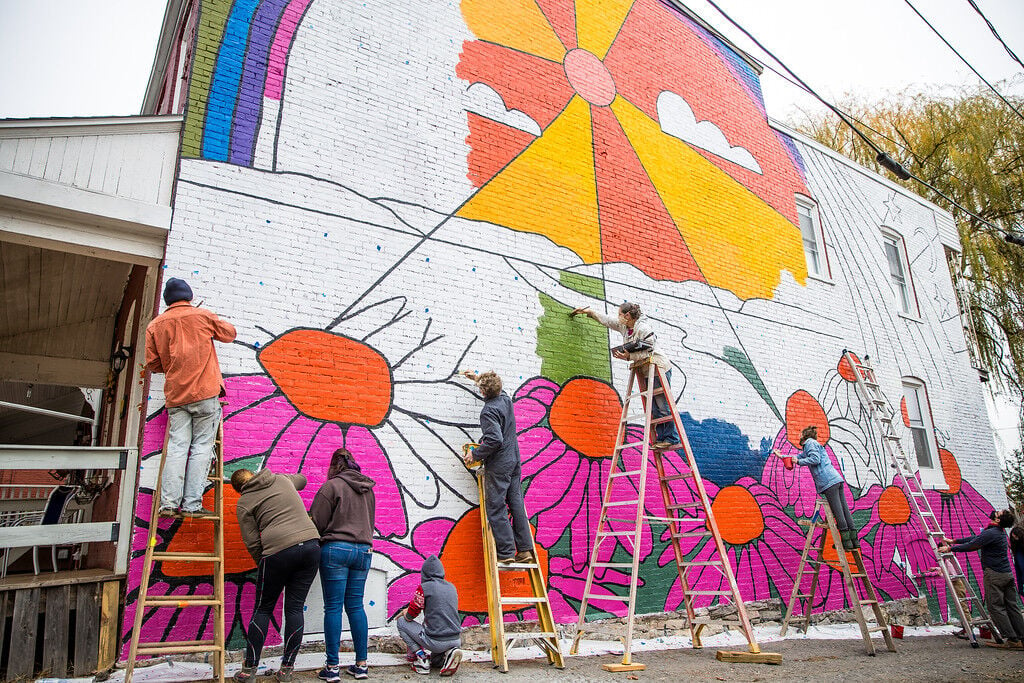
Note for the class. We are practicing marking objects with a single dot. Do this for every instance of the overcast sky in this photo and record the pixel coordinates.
(92, 57)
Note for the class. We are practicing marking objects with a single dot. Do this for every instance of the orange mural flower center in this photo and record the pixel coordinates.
(738, 515)
(585, 415)
(893, 507)
(589, 77)
(330, 377)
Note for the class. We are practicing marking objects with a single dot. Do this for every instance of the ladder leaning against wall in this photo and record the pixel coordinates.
(214, 601)
(970, 610)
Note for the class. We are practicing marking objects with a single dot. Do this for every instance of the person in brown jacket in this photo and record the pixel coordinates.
(343, 511)
(179, 344)
(285, 545)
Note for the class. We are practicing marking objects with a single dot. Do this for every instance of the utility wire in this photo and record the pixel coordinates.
(962, 59)
(882, 157)
(995, 32)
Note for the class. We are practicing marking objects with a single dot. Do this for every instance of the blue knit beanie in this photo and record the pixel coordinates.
(176, 290)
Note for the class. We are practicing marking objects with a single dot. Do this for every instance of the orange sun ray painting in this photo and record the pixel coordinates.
(605, 154)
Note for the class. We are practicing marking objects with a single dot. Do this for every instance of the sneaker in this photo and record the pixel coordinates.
(169, 512)
(358, 672)
(507, 560)
(451, 662)
(201, 512)
(421, 665)
(246, 674)
(286, 674)
(330, 673)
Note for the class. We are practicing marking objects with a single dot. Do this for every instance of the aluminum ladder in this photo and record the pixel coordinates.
(814, 555)
(683, 519)
(971, 610)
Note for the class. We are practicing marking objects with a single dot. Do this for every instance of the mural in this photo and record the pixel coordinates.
(605, 151)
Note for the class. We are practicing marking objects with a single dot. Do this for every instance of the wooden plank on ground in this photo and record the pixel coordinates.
(87, 632)
(109, 624)
(749, 657)
(55, 631)
(22, 658)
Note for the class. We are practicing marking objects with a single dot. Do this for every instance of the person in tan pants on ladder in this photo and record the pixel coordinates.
(637, 334)
(179, 345)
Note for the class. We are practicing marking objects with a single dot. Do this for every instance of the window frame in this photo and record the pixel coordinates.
(890, 236)
(814, 213)
(931, 473)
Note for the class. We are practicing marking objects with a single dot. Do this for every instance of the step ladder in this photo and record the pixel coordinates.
(213, 601)
(970, 610)
(546, 637)
(623, 504)
(855, 580)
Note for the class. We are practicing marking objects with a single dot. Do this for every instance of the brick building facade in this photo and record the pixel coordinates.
(381, 194)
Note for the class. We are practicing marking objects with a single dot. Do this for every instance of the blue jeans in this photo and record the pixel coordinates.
(343, 570)
(666, 431)
(191, 437)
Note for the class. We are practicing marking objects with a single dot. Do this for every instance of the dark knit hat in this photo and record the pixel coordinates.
(176, 290)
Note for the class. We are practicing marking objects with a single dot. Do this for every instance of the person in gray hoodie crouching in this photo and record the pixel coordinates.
(439, 636)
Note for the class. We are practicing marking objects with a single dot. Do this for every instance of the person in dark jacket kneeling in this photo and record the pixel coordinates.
(284, 543)
(439, 636)
(343, 511)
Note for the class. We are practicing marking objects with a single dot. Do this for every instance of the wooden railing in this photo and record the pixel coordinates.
(14, 457)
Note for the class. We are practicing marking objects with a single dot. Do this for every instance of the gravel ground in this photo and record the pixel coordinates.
(932, 658)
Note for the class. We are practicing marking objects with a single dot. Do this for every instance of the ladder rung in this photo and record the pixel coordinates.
(683, 506)
(626, 473)
(665, 520)
(702, 563)
(876, 629)
(691, 534)
(612, 565)
(662, 420)
(858, 576)
(616, 533)
(521, 600)
(676, 477)
(867, 602)
(164, 648)
(181, 601)
(185, 557)
(596, 596)
(631, 444)
(618, 503)
(517, 566)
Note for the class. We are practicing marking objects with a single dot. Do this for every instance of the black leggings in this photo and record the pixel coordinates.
(837, 501)
(292, 570)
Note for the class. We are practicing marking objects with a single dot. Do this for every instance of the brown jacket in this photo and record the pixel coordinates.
(179, 343)
(271, 516)
(344, 508)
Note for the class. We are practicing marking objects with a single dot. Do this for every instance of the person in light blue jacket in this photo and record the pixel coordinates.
(829, 483)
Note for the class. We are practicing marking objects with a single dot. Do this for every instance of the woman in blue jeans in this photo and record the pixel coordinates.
(343, 512)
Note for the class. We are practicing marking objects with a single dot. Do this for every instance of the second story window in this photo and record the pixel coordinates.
(810, 230)
(899, 271)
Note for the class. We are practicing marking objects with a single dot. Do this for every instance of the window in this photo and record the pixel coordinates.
(918, 415)
(899, 271)
(814, 242)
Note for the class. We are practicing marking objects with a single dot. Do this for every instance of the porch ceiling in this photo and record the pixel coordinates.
(58, 316)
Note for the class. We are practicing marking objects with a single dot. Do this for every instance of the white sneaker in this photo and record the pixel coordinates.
(452, 659)
(422, 663)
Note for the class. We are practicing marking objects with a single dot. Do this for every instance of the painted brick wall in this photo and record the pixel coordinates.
(379, 195)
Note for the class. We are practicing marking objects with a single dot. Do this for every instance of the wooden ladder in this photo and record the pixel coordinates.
(501, 641)
(213, 601)
(824, 520)
(623, 504)
(970, 610)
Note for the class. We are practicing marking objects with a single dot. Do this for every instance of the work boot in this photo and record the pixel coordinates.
(847, 541)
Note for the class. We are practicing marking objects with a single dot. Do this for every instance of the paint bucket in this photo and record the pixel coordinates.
(984, 633)
(897, 630)
(787, 461)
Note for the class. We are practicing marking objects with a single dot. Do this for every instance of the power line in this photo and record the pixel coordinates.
(882, 157)
(995, 32)
(962, 59)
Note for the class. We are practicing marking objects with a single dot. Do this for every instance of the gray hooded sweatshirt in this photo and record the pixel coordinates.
(440, 604)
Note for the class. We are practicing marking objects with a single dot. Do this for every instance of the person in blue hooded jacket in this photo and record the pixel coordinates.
(828, 482)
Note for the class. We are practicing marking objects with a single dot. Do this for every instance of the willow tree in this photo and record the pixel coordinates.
(969, 146)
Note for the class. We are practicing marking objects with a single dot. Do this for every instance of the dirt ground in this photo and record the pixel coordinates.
(932, 658)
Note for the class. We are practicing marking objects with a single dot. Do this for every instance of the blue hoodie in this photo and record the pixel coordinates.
(816, 458)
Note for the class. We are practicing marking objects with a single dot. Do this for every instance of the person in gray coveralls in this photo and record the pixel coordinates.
(503, 477)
